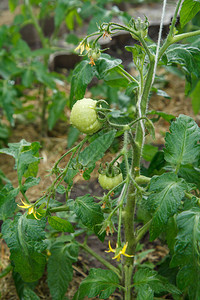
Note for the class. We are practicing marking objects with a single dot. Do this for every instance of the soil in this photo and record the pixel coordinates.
(53, 147)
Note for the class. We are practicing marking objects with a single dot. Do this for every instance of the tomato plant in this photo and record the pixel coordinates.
(159, 201)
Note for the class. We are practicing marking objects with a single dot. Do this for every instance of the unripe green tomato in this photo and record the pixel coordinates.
(95, 55)
(108, 183)
(84, 116)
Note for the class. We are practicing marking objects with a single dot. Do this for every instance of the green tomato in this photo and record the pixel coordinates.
(84, 116)
(108, 183)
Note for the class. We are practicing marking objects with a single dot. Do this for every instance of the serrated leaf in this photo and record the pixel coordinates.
(26, 157)
(82, 76)
(30, 295)
(181, 143)
(188, 10)
(60, 224)
(165, 116)
(90, 213)
(167, 193)
(186, 252)
(25, 238)
(191, 174)
(101, 283)
(22, 286)
(185, 55)
(106, 63)
(145, 292)
(147, 282)
(60, 271)
(7, 201)
(96, 149)
(61, 189)
(30, 182)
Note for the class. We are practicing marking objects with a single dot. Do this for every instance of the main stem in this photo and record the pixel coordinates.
(137, 145)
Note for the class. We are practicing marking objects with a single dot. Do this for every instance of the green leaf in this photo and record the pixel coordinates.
(59, 268)
(188, 10)
(7, 201)
(84, 72)
(43, 76)
(149, 151)
(99, 283)
(187, 254)
(167, 193)
(28, 77)
(191, 174)
(26, 157)
(145, 292)
(13, 4)
(96, 149)
(60, 224)
(82, 76)
(8, 99)
(72, 136)
(148, 281)
(114, 79)
(157, 164)
(25, 238)
(61, 189)
(165, 116)
(22, 287)
(56, 108)
(106, 63)
(181, 143)
(185, 55)
(90, 213)
(160, 93)
(195, 98)
(30, 295)
(30, 182)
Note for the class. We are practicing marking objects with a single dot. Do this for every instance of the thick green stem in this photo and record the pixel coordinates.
(137, 145)
(59, 209)
(179, 37)
(147, 87)
(100, 259)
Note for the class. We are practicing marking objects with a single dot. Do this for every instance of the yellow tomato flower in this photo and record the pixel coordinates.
(25, 205)
(118, 251)
(82, 46)
(31, 209)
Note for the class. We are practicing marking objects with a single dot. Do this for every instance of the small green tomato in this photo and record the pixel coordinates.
(108, 183)
(84, 116)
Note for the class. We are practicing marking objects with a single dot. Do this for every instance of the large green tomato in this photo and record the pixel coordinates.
(84, 116)
(108, 183)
